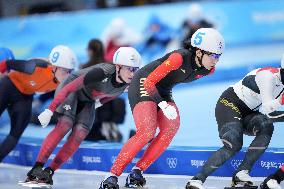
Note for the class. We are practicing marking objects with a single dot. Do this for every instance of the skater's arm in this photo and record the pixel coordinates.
(266, 83)
(25, 66)
(65, 91)
(172, 63)
(277, 116)
(96, 74)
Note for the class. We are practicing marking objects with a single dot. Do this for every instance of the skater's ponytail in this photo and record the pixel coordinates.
(186, 44)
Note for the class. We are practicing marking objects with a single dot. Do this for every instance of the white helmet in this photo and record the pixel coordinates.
(208, 39)
(127, 56)
(62, 56)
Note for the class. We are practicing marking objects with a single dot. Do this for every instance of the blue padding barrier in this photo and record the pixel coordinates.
(175, 161)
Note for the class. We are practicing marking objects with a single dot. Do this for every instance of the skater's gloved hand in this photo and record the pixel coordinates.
(98, 103)
(169, 111)
(44, 117)
(270, 106)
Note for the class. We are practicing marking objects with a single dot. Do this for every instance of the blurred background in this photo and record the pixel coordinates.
(253, 31)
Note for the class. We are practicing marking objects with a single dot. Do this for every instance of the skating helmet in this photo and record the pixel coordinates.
(6, 54)
(62, 56)
(208, 39)
(127, 56)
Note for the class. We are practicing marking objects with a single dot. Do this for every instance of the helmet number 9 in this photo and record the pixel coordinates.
(198, 38)
(55, 57)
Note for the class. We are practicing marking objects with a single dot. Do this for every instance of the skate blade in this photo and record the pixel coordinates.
(21, 182)
(42, 185)
(133, 186)
(29, 185)
(33, 184)
(140, 187)
(242, 187)
(26, 183)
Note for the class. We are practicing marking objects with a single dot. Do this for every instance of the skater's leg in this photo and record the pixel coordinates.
(259, 126)
(84, 118)
(232, 138)
(229, 119)
(79, 133)
(4, 94)
(5, 90)
(168, 129)
(145, 117)
(20, 114)
(62, 127)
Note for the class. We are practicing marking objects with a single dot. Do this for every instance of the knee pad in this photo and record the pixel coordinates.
(232, 136)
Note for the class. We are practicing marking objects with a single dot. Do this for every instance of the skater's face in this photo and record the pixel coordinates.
(209, 60)
(126, 72)
(61, 73)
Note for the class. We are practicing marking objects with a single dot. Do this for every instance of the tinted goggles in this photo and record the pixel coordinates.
(212, 55)
(132, 69)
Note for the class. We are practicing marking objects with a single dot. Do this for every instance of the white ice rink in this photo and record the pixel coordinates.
(73, 179)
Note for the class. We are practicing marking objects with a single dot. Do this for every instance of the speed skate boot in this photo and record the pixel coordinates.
(270, 183)
(110, 183)
(242, 180)
(135, 179)
(194, 184)
(31, 175)
(44, 178)
(273, 181)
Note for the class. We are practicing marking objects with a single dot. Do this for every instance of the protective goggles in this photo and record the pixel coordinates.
(64, 70)
(132, 69)
(212, 55)
(68, 71)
